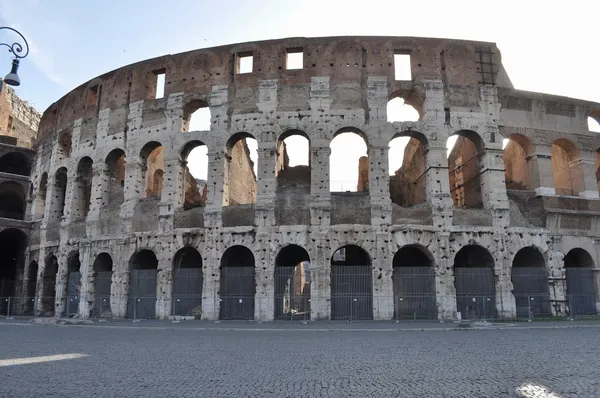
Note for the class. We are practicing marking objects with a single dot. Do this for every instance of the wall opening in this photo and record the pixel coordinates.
(141, 303)
(349, 163)
(58, 201)
(157, 88)
(399, 111)
(188, 280)
(465, 168)
(13, 243)
(294, 58)
(48, 298)
(92, 96)
(402, 67)
(153, 165)
(195, 159)
(116, 164)
(64, 144)
(244, 62)
(292, 166)
(413, 280)
(12, 200)
(238, 284)
(239, 186)
(103, 267)
(563, 153)
(83, 188)
(515, 162)
(474, 281)
(292, 284)
(73, 283)
(40, 200)
(531, 288)
(196, 116)
(407, 166)
(594, 122)
(15, 163)
(581, 289)
(351, 284)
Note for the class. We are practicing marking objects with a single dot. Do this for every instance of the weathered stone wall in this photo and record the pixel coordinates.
(18, 118)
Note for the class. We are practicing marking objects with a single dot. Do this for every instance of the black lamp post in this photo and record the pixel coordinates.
(12, 79)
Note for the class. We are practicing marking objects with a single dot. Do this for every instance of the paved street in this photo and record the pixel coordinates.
(183, 362)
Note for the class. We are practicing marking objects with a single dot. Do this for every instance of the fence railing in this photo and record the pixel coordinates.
(347, 307)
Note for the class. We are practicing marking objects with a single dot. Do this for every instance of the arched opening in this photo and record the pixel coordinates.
(187, 283)
(238, 284)
(292, 284)
(515, 162)
(12, 200)
(115, 167)
(293, 158)
(239, 187)
(531, 288)
(399, 111)
(594, 121)
(581, 290)
(103, 267)
(349, 162)
(351, 284)
(142, 285)
(563, 153)
(407, 169)
(73, 283)
(13, 243)
(48, 299)
(196, 116)
(64, 144)
(83, 188)
(195, 157)
(40, 200)
(474, 281)
(413, 280)
(31, 286)
(464, 168)
(153, 164)
(58, 201)
(15, 163)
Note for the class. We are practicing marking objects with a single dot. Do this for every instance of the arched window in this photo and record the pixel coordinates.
(563, 153)
(464, 167)
(103, 267)
(239, 186)
(407, 169)
(187, 283)
(196, 116)
(48, 298)
(515, 162)
(115, 166)
(12, 200)
(142, 285)
(13, 243)
(40, 199)
(15, 163)
(195, 157)
(530, 283)
(349, 162)
(58, 201)
(581, 290)
(413, 282)
(83, 188)
(153, 161)
(475, 282)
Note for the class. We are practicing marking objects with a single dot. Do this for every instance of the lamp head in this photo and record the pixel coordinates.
(12, 78)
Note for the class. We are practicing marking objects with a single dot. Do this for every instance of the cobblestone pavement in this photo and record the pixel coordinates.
(183, 362)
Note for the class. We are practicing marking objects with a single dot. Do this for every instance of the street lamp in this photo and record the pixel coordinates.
(12, 79)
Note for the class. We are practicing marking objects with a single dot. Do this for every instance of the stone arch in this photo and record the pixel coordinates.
(407, 182)
(196, 116)
(237, 284)
(40, 199)
(475, 282)
(351, 284)
(292, 280)
(60, 193)
(65, 144)
(103, 270)
(413, 281)
(581, 288)
(594, 121)
(188, 280)
(564, 152)
(12, 200)
(15, 163)
(464, 165)
(349, 151)
(239, 185)
(531, 288)
(116, 164)
(194, 156)
(13, 243)
(143, 267)
(83, 188)
(399, 109)
(152, 158)
(515, 155)
(48, 299)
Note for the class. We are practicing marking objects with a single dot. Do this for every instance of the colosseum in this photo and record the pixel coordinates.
(504, 224)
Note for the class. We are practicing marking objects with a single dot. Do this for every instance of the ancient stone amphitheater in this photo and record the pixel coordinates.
(504, 225)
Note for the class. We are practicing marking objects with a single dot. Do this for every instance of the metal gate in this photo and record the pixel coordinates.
(414, 292)
(475, 292)
(292, 292)
(187, 292)
(581, 295)
(142, 294)
(101, 308)
(351, 292)
(531, 291)
(73, 290)
(237, 293)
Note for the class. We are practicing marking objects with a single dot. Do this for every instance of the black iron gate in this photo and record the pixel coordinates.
(101, 307)
(73, 291)
(142, 294)
(414, 292)
(292, 292)
(475, 292)
(531, 291)
(581, 294)
(351, 292)
(237, 293)
(187, 292)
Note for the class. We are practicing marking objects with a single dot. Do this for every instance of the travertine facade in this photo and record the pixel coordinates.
(458, 87)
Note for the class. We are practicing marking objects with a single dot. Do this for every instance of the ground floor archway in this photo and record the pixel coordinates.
(292, 283)
(238, 284)
(351, 284)
(531, 289)
(474, 281)
(102, 284)
(13, 243)
(141, 303)
(48, 299)
(187, 283)
(581, 292)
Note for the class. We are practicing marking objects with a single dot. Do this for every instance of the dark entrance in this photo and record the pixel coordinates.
(292, 283)
(187, 283)
(581, 293)
(73, 284)
(414, 284)
(351, 284)
(238, 284)
(12, 200)
(12, 261)
(32, 274)
(475, 282)
(530, 283)
(102, 282)
(142, 285)
(48, 298)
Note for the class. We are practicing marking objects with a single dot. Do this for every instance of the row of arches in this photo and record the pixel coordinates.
(351, 282)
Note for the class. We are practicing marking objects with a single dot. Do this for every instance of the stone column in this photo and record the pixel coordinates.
(445, 291)
(86, 291)
(379, 183)
(39, 285)
(62, 276)
(134, 187)
(493, 187)
(505, 300)
(71, 196)
(98, 198)
(264, 299)
(557, 281)
(320, 273)
(172, 194)
(51, 210)
(216, 180)
(119, 288)
(164, 288)
(320, 197)
(583, 175)
(211, 280)
(266, 182)
(383, 285)
(437, 183)
(539, 170)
